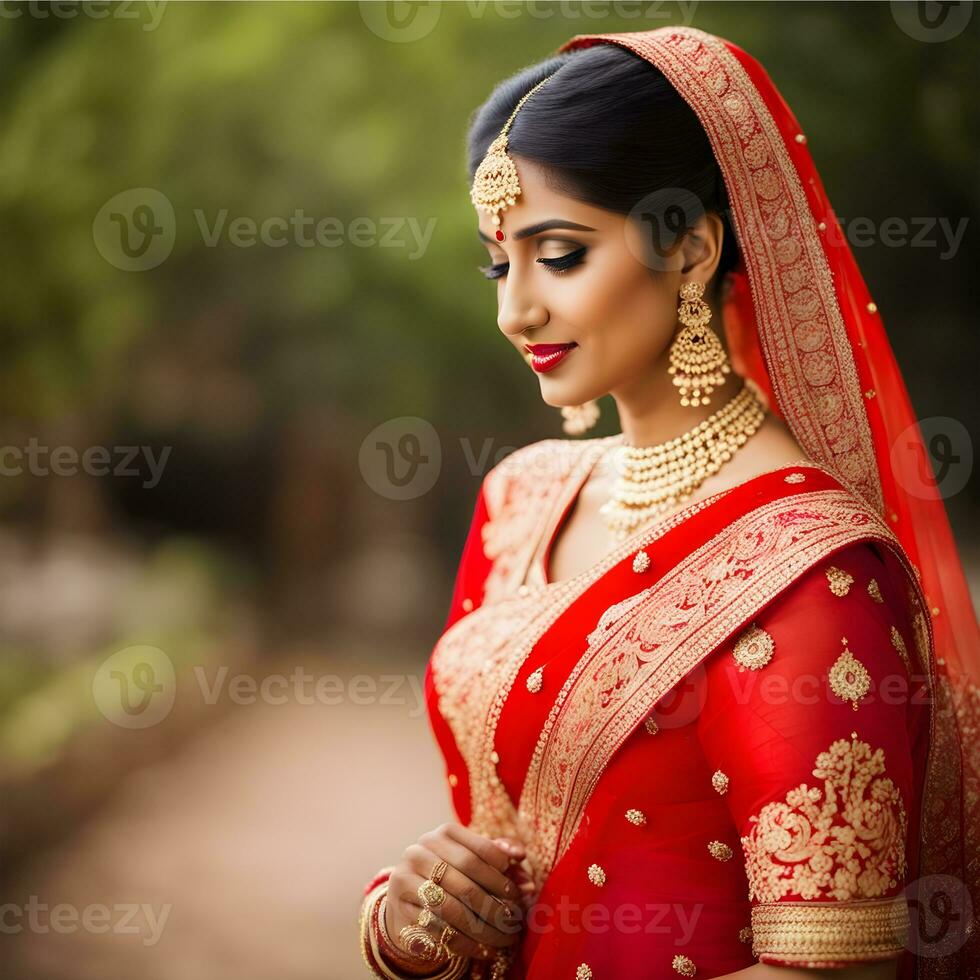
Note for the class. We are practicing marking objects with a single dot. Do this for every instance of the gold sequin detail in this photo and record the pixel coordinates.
(494, 758)
(584, 972)
(535, 680)
(800, 138)
(874, 590)
(794, 478)
(453, 779)
(720, 781)
(596, 875)
(468, 604)
(754, 648)
(829, 934)
(641, 561)
(872, 307)
(849, 679)
(651, 726)
(844, 840)
(899, 644)
(684, 965)
(745, 934)
(839, 580)
(636, 817)
(719, 850)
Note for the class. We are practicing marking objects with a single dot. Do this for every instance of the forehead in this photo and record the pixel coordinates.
(539, 200)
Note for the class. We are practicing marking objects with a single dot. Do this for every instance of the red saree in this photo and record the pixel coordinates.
(758, 744)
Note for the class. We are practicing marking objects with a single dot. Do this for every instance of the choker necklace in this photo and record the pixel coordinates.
(655, 479)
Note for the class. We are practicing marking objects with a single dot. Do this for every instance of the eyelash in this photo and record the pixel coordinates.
(557, 267)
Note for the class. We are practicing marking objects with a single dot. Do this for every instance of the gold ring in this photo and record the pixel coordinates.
(447, 937)
(438, 871)
(431, 894)
(419, 943)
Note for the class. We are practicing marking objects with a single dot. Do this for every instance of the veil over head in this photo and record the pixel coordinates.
(802, 325)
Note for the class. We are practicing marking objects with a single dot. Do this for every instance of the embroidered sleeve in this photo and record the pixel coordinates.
(811, 724)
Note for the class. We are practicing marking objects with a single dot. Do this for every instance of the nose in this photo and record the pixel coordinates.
(519, 309)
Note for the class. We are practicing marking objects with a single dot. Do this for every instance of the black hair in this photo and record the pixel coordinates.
(611, 131)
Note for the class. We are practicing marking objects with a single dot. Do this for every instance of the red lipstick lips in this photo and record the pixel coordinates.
(546, 357)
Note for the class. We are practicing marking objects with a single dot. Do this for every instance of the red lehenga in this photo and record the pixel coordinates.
(749, 732)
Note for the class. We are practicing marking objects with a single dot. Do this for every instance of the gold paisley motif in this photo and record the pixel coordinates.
(849, 678)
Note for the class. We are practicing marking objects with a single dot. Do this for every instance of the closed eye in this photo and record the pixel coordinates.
(557, 266)
(563, 263)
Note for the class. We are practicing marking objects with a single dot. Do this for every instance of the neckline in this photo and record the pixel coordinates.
(650, 530)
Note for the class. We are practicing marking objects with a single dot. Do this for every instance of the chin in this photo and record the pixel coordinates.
(559, 395)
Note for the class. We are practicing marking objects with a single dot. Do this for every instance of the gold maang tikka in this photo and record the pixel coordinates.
(496, 185)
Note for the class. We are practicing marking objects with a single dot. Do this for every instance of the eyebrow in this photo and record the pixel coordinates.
(537, 229)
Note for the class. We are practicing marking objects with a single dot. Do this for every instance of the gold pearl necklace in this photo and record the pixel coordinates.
(655, 479)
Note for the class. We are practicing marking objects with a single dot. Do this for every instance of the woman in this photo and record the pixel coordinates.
(706, 688)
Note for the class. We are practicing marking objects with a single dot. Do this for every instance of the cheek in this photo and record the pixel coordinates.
(623, 311)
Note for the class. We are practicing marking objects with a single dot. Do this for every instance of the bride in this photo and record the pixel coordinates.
(705, 686)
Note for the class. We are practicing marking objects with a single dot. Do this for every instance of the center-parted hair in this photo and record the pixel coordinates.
(610, 130)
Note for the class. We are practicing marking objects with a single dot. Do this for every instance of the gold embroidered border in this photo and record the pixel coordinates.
(652, 640)
(523, 492)
(801, 328)
(825, 934)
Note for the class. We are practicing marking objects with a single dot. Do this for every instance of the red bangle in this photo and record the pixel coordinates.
(383, 875)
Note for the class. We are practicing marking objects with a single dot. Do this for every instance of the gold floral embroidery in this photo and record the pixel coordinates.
(819, 934)
(584, 972)
(745, 934)
(535, 680)
(899, 644)
(839, 580)
(719, 781)
(754, 648)
(651, 725)
(684, 965)
(845, 840)
(719, 850)
(641, 655)
(596, 875)
(874, 590)
(641, 562)
(636, 817)
(849, 679)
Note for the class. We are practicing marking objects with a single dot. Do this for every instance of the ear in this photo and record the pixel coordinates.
(702, 247)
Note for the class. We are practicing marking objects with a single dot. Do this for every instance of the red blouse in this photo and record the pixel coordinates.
(766, 806)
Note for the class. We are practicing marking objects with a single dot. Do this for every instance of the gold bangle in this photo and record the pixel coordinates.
(453, 969)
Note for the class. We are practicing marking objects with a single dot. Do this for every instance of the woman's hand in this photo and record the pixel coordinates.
(482, 902)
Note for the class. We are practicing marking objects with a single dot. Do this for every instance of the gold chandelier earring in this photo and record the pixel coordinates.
(698, 361)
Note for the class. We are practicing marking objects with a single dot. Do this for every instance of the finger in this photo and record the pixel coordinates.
(492, 854)
(499, 912)
(459, 944)
(462, 918)
(486, 878)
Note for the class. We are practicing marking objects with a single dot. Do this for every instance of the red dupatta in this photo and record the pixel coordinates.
(803, 326)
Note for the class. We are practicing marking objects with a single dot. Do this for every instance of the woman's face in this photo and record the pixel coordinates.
(612, 302)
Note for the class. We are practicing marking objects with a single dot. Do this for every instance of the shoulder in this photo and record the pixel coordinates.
(535, 470)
